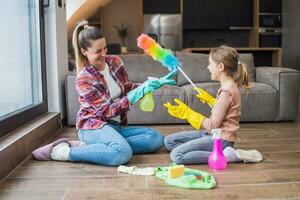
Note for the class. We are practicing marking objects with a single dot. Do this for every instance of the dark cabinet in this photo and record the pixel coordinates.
(161, 6)
(217, 14)
(240, 13)
(194, 12)
(270, 6)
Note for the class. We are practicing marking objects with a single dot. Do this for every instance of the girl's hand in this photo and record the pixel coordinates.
(182, 111)
(205, 97)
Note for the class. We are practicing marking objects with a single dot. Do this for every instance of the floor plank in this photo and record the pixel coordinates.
(33, 195)
(277, 177)
(275, 191)
(74, 182)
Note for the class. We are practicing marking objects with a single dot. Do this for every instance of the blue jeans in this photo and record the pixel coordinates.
(114, 145)
(191, 147)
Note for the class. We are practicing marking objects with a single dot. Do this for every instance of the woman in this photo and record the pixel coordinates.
(105, 95)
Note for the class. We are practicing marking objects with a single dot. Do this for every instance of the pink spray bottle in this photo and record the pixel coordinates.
(217, 160)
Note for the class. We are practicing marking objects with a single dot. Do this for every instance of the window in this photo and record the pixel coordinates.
(22, 63)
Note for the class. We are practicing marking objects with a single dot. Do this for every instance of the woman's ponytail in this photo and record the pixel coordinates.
(83, 36)
(79, 57)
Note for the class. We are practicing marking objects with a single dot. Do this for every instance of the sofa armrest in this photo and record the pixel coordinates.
(72, 103)
(286, 81)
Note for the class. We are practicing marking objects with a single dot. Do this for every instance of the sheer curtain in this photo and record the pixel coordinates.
(20, 56)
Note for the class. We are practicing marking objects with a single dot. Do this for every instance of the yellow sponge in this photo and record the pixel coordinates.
(176, 171)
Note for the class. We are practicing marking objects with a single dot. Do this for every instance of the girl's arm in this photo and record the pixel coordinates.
(219, 111)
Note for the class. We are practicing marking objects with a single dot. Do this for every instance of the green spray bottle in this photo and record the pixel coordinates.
(147, 103)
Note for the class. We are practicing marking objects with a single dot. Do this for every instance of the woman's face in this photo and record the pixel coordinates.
(214, 69)
(96, 53)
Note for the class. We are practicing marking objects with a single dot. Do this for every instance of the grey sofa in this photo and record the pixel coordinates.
(273, 97)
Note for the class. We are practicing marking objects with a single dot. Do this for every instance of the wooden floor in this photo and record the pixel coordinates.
(277, 177)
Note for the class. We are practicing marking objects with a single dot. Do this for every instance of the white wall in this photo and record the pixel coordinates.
(72, 6)
(56, 56)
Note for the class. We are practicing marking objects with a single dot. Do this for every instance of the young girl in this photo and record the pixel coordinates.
(105, 95)
(192, 147)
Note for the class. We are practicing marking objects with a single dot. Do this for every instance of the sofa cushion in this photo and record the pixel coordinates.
(259, 104)
(140, 66)
(160, 114)
(195, 66)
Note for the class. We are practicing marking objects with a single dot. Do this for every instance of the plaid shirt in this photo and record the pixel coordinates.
(96, 106)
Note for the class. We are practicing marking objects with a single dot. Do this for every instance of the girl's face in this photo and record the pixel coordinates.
(96, 53)
(214, 69)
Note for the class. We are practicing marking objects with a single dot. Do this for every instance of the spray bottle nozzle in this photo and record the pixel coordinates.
(216, 133)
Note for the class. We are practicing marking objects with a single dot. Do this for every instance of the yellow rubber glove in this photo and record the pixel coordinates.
(205, 97)
(182, 111)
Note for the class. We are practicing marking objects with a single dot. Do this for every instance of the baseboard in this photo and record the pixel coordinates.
(17, 145)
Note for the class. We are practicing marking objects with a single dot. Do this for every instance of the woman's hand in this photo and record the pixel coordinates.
(136, 94)
(150, 85)
(166, 80)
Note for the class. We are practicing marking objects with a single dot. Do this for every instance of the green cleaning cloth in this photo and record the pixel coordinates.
(192, 179)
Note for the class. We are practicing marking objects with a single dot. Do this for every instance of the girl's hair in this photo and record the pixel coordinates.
(233, 67)
(83, 35)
